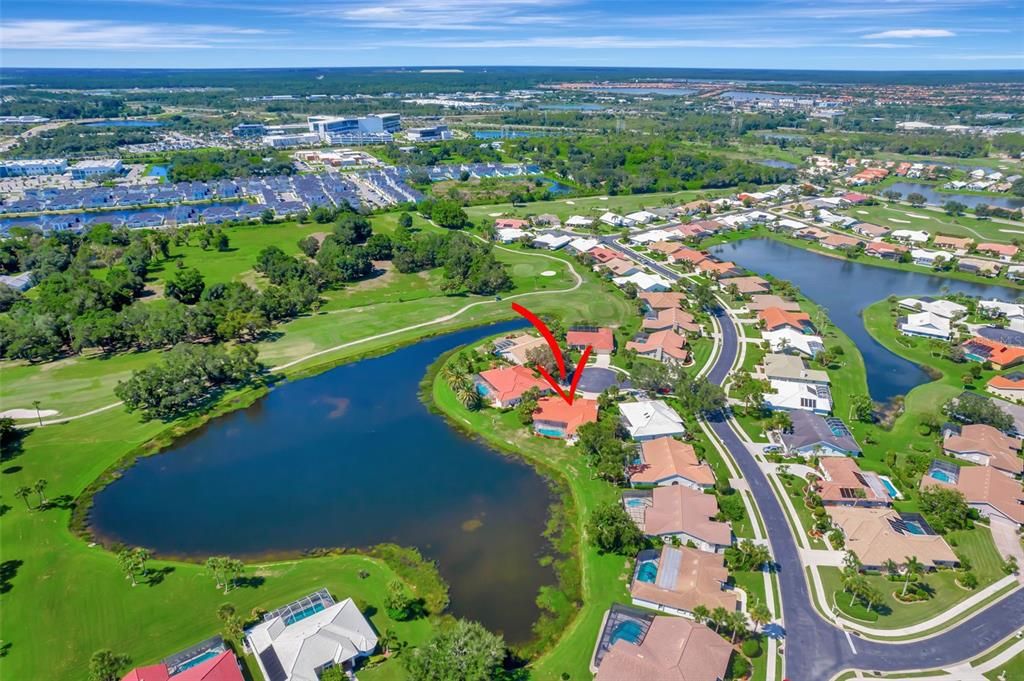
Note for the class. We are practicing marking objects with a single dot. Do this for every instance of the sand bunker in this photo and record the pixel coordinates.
(548, 273)
(27, 413)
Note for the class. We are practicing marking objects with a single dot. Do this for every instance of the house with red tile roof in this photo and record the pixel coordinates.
(716, 269)
(504, 386)
(984, 445)
(687, 255)
(620, 267)
(511, 223)
(672, 319)
(661, 300)
(666, 461)
(557, 418)
(671, 649)
(665, 247)
(953, 243)
(664, 346)
(1002, 251)
(774, 319)
(746, 285)
(683, 578)
(836, 241)
(602, 254)
(994, 494)
(881, 249)
(854, 197)
(681, 512)
(843, 483)
(222, 667)
(1008, 386)
(600, 338)
(1001, 356)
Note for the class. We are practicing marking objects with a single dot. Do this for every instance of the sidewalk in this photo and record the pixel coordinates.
(960, 672)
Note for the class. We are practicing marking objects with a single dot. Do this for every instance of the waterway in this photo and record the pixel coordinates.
(844, 288)
(350, 457)
(935, 197)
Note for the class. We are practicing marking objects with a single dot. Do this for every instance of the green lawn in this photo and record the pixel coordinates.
(68, 599)
(900, 216)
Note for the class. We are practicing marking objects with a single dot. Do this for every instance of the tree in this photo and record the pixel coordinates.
(916, 199)
(701, 613)
(142, 557)
(309, 245)
(187, 286)
(613, 531)
(105, 665)
(129, 564)
(215, 565)
(397, 601)
(737, 622)
(913, 568)
(233, 624)
(464, 651)
(891, 567)
(954, 208)
(945, 508)
(40, 488)
(267, 216)
(221, 241)
(971, 408)
(23, 493)
(527, 405)
(35, 405)
(863, 408)
(759, 614)
(404, 220)
(720, 617)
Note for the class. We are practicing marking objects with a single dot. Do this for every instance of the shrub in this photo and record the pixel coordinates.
(751, 648)
(739, 667)
(968, 580)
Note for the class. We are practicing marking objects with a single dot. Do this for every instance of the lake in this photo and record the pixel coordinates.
(350, 457)
(935, 197)
(775, 163)
(571, 107)
(844, 288)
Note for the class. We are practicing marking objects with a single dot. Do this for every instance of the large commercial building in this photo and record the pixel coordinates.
(249, 130)
(83, 170)
(431, 134)
(302, 139)
(37, 166)
(371, 129)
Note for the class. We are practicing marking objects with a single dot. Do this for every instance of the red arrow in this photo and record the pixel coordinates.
(557, 352)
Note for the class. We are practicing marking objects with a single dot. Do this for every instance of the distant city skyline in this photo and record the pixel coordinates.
(778, 34)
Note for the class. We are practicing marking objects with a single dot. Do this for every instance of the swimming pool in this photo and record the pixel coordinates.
(197, 660)
(914, 527)
(648, 572)
(550, 432)
(635, 502)
(303, 614)
(941, 476)
(893, 492)
(629, 631)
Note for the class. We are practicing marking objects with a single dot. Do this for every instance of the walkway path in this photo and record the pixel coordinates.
(433, 322)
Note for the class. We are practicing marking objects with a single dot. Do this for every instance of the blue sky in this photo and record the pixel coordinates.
(830, 34)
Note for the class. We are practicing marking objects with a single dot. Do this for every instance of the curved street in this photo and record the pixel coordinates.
(815, 650)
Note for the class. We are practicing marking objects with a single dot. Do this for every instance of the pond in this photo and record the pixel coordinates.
(844, 288)
(775, 163)
(350, 457)
(571, 107)
(935, 197)
(506, 134)
(158, 171)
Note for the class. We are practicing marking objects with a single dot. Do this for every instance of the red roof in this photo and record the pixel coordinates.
(509, 383)
(854, 197)
(602, 339)
(224, 667)
(572, 416)
(602, 254)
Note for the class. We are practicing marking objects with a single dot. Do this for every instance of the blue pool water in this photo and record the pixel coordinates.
(893, 492)
(648, 572)
(941, 476)
(551, 432)
(627, 631)
(634, 502)
(304, 613)
(914, 527)
(197, 660)
(482, 390)
(157, 171)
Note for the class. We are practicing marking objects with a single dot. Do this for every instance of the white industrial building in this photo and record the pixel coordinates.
(83, 170)
(36, 166)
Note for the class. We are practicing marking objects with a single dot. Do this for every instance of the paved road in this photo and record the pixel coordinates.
(815, 649)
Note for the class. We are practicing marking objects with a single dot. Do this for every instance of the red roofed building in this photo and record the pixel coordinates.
(1001, 251)
(664, 346)
(854, 197)
(223, 667)
(1009, 386)
(687, 255)
(511, 223)
(505, 386)
(600, 338)
(602, 254)
(1002, 356)
(774, 318)
(557, 418)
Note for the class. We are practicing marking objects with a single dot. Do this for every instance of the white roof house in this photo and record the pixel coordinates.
(648, 283)
(998, 308)
(927, 258)
(616, 220)
(583, 245)
(551, 241)
(578, 221)
(655, 235)
(942, 308)
(916, 236)
(926, 324)
(509, 234)
(789, 340)
(301, 650)
(786, 394)
(642, 217)
(648, 419)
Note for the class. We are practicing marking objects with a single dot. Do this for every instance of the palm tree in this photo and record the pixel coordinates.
(129, 564)
(23, 493)
(914, 567)
(891, 567)
(871, 595)
(758, 555)
(469, 397)
(853, 583)
(232, 571)
(215, 565)
(449, 373)
(39, 488)
(39, 417)
(759, 614)
(701, 613)
(737, 621)
(720, 616)
(142, 556)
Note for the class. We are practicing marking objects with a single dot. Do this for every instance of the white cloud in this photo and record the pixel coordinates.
(40, 34)
(604, 42)
(439, 15)
(912, 33)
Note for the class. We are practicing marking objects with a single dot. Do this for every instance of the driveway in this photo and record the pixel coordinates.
(1004, 535)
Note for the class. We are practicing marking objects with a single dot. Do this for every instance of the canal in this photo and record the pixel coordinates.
(934, 197)
(350, 457)
(844, 288)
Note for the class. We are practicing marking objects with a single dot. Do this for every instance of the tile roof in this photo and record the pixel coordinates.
(871, 534)
(674, 649)
(509, 383)
(775, 318)
(557, 410)
(687, 578)
(660, 300)
(979, 438)
(985, 485)
(602, 339)
(667, 341)
(666, 457)
(680, 509)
